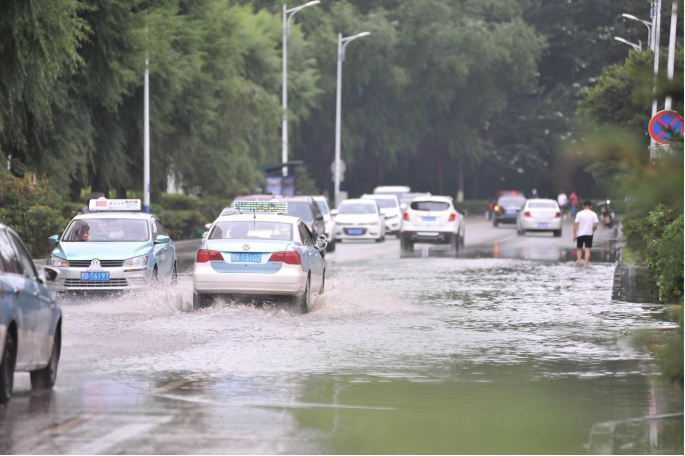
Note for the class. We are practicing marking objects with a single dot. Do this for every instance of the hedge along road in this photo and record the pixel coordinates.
(508, 348)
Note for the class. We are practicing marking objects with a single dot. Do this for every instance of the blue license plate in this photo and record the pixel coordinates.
(511, 211)
(94, 276)
(354, 231)
(543, 225)
(429, 219)
(246, 257)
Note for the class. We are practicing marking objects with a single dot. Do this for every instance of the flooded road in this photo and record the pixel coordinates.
(506, 349)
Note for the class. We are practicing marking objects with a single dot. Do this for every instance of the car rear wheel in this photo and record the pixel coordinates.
(557, 233)
(45, 378)
(200, 301)
(302, 302)
(7, 370)
(406, 245)
(520, 231)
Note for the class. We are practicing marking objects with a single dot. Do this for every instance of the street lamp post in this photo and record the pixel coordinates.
(342, 44)
(287, 16)
(646, 23)
(637, 47)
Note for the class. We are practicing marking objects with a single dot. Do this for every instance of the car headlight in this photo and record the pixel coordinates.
(58, 262)
(136, 261)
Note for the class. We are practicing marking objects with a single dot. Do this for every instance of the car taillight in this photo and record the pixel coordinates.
(286, 257)
(557, 215)
(204, 255)
(406, 216)
(497, 208)
(527, 214)
(453, 217)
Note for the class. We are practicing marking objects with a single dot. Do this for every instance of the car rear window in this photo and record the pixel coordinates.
(511, 201)
(385, 203)
(301, 210)
(430, 206)
(252, 230)
(542, 205)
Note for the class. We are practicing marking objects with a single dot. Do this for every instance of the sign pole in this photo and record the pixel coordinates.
(656, 25)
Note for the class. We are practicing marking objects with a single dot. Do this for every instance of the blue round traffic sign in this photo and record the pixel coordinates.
(663, 124)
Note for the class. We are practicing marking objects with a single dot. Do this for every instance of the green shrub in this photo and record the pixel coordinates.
(35, 212)
(670, 356)
(667, 262)
(472, 206)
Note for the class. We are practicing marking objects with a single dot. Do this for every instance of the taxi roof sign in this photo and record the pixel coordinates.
(114, 205)
(271, 207)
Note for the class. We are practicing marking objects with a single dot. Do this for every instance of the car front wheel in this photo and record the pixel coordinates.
(7, 370)
(46, 377)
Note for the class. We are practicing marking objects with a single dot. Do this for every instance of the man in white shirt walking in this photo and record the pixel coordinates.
(583, 230)
(562, 200)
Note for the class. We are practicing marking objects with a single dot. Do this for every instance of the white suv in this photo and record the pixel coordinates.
(432, 220)
(390, 208)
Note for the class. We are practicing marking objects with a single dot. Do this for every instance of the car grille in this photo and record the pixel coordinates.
(103, 263)
(74, 283)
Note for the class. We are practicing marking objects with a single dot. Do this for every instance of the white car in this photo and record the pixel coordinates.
(432, 220)
(390, 208)
(391, 190)
(539, 215)
(359, 219)
(258, 253)
(322, 202)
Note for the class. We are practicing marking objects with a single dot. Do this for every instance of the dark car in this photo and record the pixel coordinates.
(306, 209)
(490, 211)
(507, 208)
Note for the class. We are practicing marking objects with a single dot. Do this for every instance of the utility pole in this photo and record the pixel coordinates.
(656, 25)
(146, 141)
(671, 49)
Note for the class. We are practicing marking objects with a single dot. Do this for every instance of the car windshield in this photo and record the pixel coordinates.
(322, 207)
(357, 208)
(107, 230)
(385, 203)
(542, 205)
(252, 230)
(430, 206)
(301, 210)
(517, 201)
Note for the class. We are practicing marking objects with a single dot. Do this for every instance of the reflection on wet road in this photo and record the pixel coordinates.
(506, 349)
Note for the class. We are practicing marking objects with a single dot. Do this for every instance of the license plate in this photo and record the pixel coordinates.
(246, 257)
(429, 219)
(354, 231)
(543, 225)
(97, 276)
(511, 211)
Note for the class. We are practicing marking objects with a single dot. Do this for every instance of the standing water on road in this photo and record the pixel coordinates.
(422, 355)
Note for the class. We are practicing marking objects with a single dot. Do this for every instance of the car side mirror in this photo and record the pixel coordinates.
(208, 226)
(319, 217)
(464, 213)
(162, 239)
(334, 212)
(49, 274)
(54, 239)
(321, 242)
